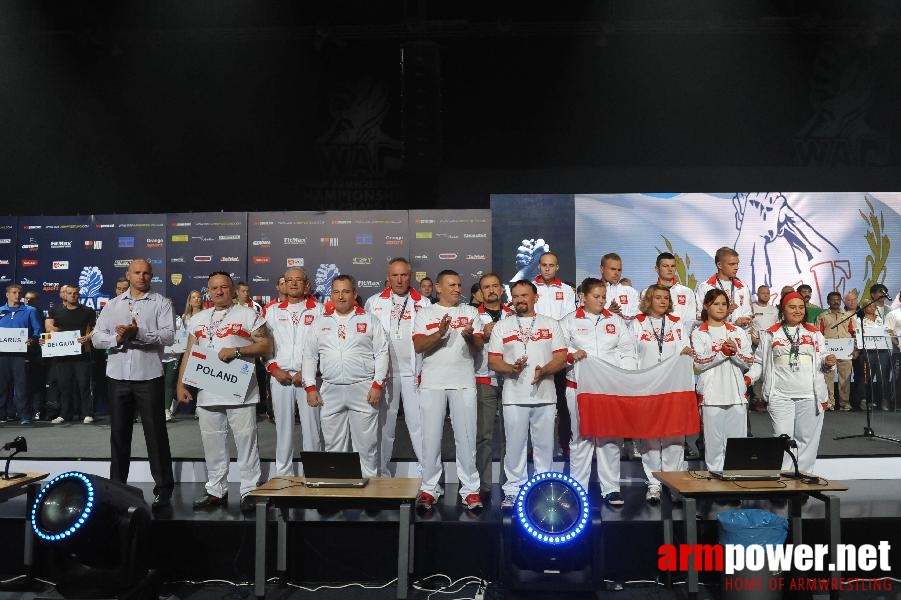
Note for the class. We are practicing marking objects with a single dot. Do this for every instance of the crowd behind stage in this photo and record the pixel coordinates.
(344, 367)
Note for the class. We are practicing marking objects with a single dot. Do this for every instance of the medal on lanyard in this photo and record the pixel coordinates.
(522, 335)
(659, 339)
(400, 317)
(731, 289)
(211, 331)
(794, 349)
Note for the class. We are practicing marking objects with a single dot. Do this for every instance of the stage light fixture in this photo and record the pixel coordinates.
(97, 534)
(552, 537)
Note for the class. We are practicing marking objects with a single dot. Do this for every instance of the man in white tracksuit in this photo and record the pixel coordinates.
(725, 278)
(396, 308)
(622, 299)
(527, 350)
(594, 331)
(351, 349)
(448, 335)
(233, 332)
(555, 298)
(290, 322)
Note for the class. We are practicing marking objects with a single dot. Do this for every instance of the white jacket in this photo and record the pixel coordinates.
(347, 351)
(606, 336)
(721, 380)
(625, 296)
(381, 306)
(735, 290)
(555, 300)
(763, 362)
(483, 373)
(288, 338)
(646, 339)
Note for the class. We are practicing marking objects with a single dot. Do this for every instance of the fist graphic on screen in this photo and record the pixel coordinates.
(528, 256)
(325, 275)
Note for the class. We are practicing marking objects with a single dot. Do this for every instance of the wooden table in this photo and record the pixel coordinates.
(699, 484)
(285, 493)
(30, 486)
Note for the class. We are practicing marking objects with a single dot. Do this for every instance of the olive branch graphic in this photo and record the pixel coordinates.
(879, 244)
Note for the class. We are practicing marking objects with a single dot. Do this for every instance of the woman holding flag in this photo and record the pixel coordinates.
(659, 336)
(594, 331)
(790, 361)
(722, 355)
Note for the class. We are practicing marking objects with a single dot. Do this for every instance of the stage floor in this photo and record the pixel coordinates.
(77, 441)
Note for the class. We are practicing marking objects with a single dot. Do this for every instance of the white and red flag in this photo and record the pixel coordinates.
(656, 402)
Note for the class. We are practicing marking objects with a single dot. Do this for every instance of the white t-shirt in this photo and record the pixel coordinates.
(763, 317)
(538, 338)
(793, 381)
(229, 328)
(450, 365)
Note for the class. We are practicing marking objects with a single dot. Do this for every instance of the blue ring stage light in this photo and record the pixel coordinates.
(552, 508)
(62, 506)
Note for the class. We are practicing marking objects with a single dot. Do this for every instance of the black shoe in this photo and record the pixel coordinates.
(210, 501)
(160, 501)
(249, 503)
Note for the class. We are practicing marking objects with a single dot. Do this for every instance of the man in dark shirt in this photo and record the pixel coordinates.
(73, 372)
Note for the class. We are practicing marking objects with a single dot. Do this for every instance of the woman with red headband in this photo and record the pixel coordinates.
(722, 355)
(790, 362)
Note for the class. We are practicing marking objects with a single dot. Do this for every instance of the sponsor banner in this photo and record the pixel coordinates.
(527, 225)
(124, 238)
(830, 241)
(200, 243)
(325, 244)
(8, 249)
(459, 240)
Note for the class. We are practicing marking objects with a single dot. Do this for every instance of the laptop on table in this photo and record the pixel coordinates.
(752, 459)
(332, 470)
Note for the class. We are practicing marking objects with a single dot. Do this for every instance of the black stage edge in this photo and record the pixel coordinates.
(357, 545)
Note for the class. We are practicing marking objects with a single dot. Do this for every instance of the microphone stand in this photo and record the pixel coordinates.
(6, 474)
(868, 432)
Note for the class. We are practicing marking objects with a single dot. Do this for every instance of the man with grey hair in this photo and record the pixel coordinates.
(290, 322)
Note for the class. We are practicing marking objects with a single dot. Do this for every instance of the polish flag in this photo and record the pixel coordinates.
(659, 401)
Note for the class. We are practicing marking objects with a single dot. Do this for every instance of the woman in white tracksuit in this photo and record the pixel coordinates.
(790, 362)
(594, 331)
(722, 355)
(658, 336)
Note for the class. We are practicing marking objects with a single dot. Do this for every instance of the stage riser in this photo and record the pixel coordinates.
(366, 551)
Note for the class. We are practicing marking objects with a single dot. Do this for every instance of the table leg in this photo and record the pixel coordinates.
(31, 494)
(404, 556)
(281, 558)
(259, 583)
(690, 515)
(795, 505)
(666, 515)
(833, 536)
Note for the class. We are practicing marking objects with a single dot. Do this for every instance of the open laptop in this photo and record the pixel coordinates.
(752, 459)
(332, 470)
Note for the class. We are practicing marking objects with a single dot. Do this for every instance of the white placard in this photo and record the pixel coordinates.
(228, 380)
(876, 338)
(13, 339)
(841, 348)
(61, 343)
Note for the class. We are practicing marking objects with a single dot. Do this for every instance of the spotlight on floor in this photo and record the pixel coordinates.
(552, 538)
(96, 533)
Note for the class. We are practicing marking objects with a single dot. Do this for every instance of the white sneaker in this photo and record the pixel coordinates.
(58, 420)
(169, 417)
(509, 501)
(653, 495)
(88, 420)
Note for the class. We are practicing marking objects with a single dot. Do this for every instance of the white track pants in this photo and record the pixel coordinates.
(798, 419)
(720, 424)
(580, 453)
(398, 389)
(433, 405)
(349, 421)
(284, 397)
(662, 454)
(520, 420)
(215, 421)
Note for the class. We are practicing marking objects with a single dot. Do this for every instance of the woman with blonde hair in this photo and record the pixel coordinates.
(172, 354)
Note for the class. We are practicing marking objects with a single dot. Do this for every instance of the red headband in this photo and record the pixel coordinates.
(790, 296)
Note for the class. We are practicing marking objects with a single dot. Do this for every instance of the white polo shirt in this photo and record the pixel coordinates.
(451, 365)
(537, 338)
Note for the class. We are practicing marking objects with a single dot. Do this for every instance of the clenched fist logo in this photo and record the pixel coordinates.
(528, 255)
(325, 275)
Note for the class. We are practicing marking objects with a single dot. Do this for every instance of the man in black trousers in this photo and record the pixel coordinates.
(135, 326)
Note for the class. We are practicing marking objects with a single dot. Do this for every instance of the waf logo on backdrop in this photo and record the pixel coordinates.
(90, 283)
